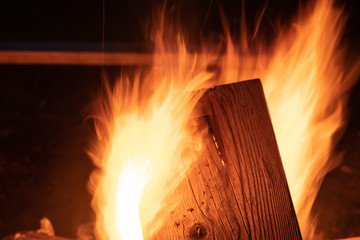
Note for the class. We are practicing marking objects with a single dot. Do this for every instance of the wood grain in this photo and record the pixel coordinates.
(237, 189)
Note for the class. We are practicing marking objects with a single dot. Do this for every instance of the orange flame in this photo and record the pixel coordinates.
(144, 135)
(305, 82)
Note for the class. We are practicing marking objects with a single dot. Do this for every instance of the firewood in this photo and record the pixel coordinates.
(237, 189)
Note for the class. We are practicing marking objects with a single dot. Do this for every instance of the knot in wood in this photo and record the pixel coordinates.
(198, 231)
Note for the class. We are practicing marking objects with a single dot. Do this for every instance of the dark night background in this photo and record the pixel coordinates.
(44, 168)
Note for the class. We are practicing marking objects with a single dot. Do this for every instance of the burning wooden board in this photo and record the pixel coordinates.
(237, 189)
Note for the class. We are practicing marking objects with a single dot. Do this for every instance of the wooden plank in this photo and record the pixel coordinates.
(237, 189)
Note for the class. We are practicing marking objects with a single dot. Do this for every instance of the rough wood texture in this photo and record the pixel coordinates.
(237, 189)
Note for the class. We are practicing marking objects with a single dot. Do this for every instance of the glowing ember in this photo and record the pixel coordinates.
(146, 142)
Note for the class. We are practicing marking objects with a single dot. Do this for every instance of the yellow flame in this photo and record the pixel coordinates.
(146, 142)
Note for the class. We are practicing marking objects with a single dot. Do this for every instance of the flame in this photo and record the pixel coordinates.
(146, 142)
(130, 187)
(305, 79)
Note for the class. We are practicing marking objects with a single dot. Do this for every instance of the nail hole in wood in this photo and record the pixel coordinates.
(198, 231)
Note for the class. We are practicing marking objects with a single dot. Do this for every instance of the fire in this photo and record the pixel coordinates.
(146, 142)
(305, 81)
(131, 183)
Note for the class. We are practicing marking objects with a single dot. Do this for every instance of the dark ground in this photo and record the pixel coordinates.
(43, 138)
(44, 168)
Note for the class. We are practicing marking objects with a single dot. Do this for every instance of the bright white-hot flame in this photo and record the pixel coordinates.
(132, 182)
